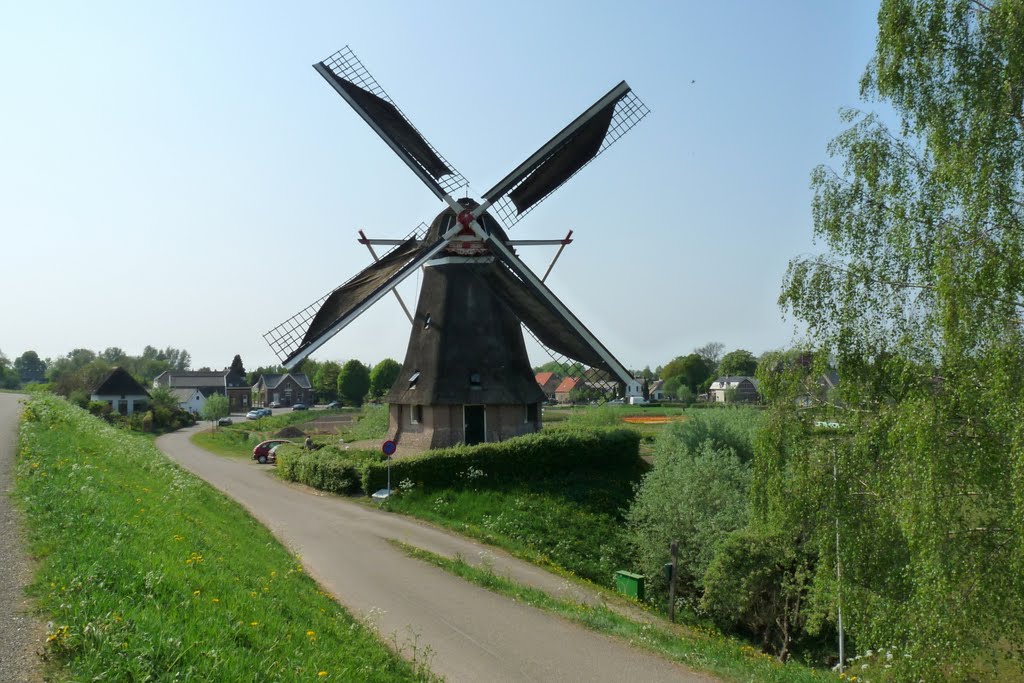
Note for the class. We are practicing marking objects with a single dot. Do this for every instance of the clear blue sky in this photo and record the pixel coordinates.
(177, 174)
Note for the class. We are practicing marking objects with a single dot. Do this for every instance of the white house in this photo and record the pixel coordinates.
(190, 399)
(744, 388)
(121, 392)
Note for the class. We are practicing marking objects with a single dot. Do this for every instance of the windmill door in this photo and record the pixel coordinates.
(476, 424)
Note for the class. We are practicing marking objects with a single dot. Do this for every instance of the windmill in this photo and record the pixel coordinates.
(466, 376)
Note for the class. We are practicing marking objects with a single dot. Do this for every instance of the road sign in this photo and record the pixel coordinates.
(389, 447)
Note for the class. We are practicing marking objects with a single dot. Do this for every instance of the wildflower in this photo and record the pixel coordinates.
(216, 600)
(310, 633)
(254, 623)
(179, 537)
(196, 592)
(321, 673)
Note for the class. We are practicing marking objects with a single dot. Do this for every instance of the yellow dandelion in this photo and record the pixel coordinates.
(196, 592)
(321, 673)
(254, 623)
(310, 633)
(216, 600)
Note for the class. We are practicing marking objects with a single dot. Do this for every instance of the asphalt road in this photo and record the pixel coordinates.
(473, 634)
(22, 633)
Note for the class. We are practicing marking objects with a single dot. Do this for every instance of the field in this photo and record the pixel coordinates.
(325, 427)
(147, 573)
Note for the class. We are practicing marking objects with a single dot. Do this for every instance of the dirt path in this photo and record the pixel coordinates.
(473, 634)
(22, 634)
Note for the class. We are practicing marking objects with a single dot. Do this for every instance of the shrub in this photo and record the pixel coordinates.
(327, 469)
(731, 428)
(693, 496)
(758, 582)
(99, 408)
(540, 455)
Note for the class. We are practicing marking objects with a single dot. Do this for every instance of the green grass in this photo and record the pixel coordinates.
(148, 573)
(233, 443)
(238, 439)
(699, 649)
(371, 423)
(529, 519)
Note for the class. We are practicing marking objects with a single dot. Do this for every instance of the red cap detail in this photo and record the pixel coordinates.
(465, 218)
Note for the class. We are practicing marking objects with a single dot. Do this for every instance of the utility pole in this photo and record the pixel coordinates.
(672, 581)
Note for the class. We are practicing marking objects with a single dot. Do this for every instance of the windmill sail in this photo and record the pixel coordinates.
(551, 328)
(575, 146)
(298, 336)
(353, 82)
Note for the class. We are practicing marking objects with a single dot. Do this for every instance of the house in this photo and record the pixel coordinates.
(734, 389)
(657, 391)
(121, 392)
(548, 382)
(566, 387)
(820, 390)
(284, 390)
(606, 387)
(189, 399)
(223, 382)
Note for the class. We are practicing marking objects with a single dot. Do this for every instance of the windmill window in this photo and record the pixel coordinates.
(474, 379)
(531, 412)
(413, 378)
(426, 323)
(416, 415)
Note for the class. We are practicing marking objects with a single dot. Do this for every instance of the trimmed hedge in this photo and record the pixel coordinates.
(327, 469)
(542, 455)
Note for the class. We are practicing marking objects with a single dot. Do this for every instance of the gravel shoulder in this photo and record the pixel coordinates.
(23, 633)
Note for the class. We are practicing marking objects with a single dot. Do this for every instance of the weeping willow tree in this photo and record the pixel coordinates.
(910, 476)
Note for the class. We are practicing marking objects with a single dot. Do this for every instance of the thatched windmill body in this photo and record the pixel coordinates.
(466, 377)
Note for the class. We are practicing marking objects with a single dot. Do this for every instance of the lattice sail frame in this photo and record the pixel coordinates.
(287, 337)
(593, 377)
(346, 65)
(629, 111)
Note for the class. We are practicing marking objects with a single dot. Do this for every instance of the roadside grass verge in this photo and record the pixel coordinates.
(700, 649)
(528, 519)
(148, 573)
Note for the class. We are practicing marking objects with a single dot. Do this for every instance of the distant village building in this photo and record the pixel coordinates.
(566, 387)
(548, 382)
(191, 400)
(282, 390)
(734, 389)
(223, 382)
(121, 392)
(657, 391)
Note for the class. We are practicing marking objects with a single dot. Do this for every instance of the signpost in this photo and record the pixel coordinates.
(388, 448)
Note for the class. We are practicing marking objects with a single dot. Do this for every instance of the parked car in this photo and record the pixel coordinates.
(267, 412)
(300, 406)
(255, 414)
(224, 421)
(263, 452)
(275, 404)
(332, 405)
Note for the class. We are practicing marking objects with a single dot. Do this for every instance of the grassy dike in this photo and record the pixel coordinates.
(148, 573)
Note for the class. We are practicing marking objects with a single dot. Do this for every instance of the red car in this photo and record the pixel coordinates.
(262, 451)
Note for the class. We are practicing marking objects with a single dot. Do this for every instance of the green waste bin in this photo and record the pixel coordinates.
(630, 584)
